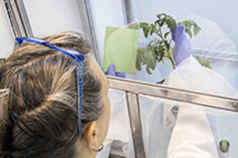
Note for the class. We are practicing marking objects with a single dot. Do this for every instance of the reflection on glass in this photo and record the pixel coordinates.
(173, 129)
(216, 42)
(170, 128)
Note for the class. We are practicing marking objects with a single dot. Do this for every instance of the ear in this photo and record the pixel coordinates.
(91, 135)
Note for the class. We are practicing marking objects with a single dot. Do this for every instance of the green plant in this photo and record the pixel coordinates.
(159, 48)
(203, 62)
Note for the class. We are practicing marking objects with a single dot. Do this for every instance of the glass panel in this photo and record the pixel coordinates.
(106, 13)
(119, 138)
(171, 129)
(175, 112)
(175, 129)
(53, 16)
(217, 41)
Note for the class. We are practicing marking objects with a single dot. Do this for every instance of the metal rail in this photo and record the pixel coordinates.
(135, 88)
(18, 18)
(180, 95)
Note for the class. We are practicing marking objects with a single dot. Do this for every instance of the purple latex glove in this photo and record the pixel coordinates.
(112, 72)
(182, 48)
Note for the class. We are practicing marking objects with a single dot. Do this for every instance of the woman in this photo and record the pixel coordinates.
(39, 117)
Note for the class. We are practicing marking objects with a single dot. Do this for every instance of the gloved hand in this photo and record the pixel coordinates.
(112, 72)
(182, 48)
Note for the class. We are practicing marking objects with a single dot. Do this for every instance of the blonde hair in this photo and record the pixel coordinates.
(43, 96)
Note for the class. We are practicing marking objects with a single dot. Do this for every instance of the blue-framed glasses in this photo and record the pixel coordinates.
(77, 56)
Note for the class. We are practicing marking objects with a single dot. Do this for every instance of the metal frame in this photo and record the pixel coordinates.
(135, 122)
(174, 94)
(18, 18)
(128, 11)
(135, 88)
(88, 25)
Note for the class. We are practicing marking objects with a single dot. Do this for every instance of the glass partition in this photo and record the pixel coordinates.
(175, 129)
(147, 119)
(215, 44)
(169, 122)
(218, 39)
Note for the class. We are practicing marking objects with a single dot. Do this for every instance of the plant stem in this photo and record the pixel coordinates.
(170, 41)
(167, 51)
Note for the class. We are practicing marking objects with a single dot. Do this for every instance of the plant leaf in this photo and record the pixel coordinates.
(156, 51)
(166, 34)
(188, 32)
(138, 66)
(161, 56)
(158, 42)
(146, 32)
(150, 42)
(138, 58)
(158, 16)
(153, 64)
(196, 29)
(166, 44)
(133, 25)
(161, 22)
(188, 24)
(153, 29)
(146, 28)
(204, 62)
(161, 52)
(163, 62)
(161, 16)
(148, 69)
(171, 23)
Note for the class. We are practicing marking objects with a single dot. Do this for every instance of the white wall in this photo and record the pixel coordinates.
(46, 17)
(53, 16)
(6, 36)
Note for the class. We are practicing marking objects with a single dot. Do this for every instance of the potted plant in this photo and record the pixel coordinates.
(160, 48)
